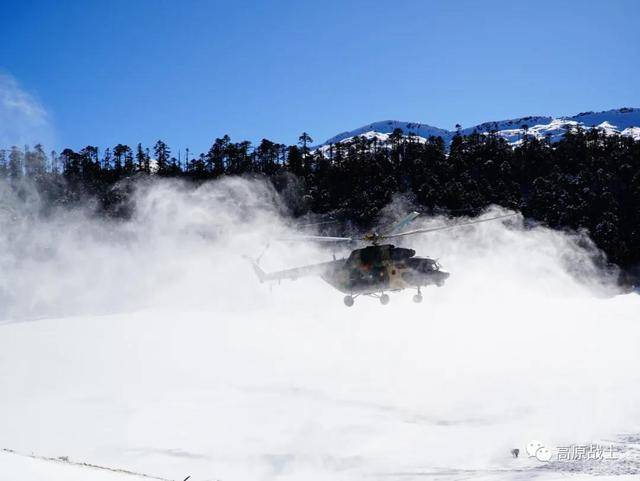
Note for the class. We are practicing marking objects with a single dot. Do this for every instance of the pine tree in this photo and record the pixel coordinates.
(142, 160)
(305, 141)
(107, 160)
(54, 162)
(16, 161)
(294, 161)
(129, 167)
(35, 162)
(162, 154)
(3, 164)
(119, 158)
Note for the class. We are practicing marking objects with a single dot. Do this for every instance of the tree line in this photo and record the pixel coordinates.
(588, 180)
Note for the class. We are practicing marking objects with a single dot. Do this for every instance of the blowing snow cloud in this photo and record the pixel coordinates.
(23, 119)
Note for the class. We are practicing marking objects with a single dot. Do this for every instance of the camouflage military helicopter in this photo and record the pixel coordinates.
(377, 268)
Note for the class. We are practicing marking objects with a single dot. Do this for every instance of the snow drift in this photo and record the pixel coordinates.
(149, 345)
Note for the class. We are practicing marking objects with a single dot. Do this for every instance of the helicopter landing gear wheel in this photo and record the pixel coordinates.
(384, 299)
(348, 301)
(418, 297)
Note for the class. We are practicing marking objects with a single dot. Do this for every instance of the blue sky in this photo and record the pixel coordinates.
(188, 71)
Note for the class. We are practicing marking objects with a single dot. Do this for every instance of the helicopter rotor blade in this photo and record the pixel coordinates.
(324, 222)
(434, 229)
(401, 224)
(318, 238)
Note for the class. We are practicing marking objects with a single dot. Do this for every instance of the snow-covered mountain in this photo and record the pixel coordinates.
(625, 121)
(388, 126)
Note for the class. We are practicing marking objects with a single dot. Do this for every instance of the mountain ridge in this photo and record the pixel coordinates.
(624, 120)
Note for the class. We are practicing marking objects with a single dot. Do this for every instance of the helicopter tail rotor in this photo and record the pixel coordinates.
(262, 275)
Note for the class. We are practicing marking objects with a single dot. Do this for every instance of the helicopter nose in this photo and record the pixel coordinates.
(441, 277)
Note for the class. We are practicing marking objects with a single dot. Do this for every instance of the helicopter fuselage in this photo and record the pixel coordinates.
(378, 268)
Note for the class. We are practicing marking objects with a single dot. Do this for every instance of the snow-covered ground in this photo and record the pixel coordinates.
(31, 467)
(625, 121)
(150, 347)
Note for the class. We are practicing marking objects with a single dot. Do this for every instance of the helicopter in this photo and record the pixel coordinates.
(377, 268)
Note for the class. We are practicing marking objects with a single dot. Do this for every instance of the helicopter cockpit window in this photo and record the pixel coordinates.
(429, 264)
(423, 265)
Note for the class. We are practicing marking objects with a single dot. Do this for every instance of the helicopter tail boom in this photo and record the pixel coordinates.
(295, 273)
